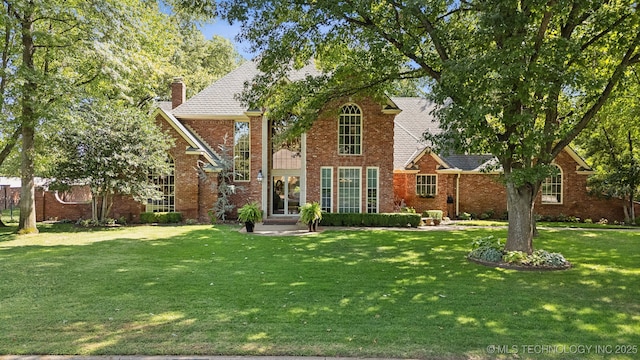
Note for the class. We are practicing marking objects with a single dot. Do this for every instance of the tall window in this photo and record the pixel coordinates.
(350, 131)
(165, 183)
(241, 152)
(326, 188)
(349, 190)
(285, 152)
(372, 190)
(552, 188)
(426, 185)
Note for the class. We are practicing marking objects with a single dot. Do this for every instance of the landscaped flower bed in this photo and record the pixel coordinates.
(490, 251)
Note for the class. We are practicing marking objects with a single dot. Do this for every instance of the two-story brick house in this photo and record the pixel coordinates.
(344, 161)
(359, 156)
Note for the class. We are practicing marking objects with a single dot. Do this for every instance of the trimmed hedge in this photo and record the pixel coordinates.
(160, 217)
(378, 220)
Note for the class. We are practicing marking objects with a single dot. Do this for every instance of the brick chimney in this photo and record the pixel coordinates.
(178, 92)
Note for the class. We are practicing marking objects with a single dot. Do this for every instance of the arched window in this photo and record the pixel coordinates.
(166, 184)
(350, 130)
(552, 188)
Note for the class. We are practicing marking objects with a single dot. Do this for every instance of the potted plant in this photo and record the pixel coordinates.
(436, 215)
(311, 214)
(250, 214)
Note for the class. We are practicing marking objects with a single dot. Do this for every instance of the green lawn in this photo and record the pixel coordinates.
(212, 290)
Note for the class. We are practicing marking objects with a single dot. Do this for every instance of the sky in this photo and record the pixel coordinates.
(222, 28)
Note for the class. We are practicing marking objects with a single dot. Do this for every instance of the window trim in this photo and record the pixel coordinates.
(149, 205)
(237, 178)
(359, 183)
(434, 185)
(330, 188)
(548, 181)
(341, 136)
(377, 188)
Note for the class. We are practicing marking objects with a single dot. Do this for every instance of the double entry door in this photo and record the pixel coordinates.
(285, 198)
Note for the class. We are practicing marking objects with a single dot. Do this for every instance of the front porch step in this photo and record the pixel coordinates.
(281, 221)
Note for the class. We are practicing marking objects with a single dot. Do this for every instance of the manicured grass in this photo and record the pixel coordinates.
(212, 290)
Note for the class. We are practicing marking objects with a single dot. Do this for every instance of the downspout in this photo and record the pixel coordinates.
(266, 174)
(457, 194)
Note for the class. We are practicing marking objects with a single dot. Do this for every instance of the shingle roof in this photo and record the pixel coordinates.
(410, 125)
(416, 119)
(469, 162)
(220, 98)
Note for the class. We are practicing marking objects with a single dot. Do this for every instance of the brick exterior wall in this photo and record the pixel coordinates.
(482, 193)
(213, 132)
(377, 151)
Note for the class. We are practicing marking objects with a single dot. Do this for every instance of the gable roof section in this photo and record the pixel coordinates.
(195, 145)
(410, 125)
(474, 163)
(219, 100)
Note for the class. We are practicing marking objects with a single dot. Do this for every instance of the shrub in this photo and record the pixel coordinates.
(486, 254)
(545, 258)
(160, 217)
(381, 220)
(191, 222)
(147, 217)
(488, 242)
(491, 249)
(514, 257)
(464, 216)
(487, 214)
(408, 210)
(588, 221)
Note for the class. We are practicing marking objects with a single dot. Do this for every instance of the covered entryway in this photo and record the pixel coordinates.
(286, 194)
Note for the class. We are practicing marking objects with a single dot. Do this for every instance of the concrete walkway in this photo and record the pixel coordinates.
(301, 229)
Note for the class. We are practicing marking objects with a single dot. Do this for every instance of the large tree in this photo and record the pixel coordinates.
(112, 148)
(57, 53)
(517, 79)
(59, 47)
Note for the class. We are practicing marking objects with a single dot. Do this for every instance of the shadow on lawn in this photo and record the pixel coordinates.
(352, 293)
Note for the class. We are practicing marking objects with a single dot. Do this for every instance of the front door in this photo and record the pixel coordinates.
(286, 195)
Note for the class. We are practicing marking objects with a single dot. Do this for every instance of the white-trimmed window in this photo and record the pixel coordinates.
(350, 130)
(349, 190)
(165, 183)
(326, 188)
(552, 188)
(372, 189)
(426, 185)
(241, 152)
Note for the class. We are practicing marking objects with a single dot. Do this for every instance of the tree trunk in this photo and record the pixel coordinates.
(520, 200)
(94, 207)
(28, 120)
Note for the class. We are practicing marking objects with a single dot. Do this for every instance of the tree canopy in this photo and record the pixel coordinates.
(56, 54)
(612, 144)
(517, 79)
(111, 148)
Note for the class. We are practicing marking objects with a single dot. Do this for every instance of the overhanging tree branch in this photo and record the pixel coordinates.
(589, 114)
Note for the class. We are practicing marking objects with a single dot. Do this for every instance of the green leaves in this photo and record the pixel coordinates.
(112, 148)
